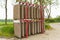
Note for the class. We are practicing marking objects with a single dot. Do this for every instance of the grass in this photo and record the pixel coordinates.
(7, 23)
(6, 30)
(48, 27)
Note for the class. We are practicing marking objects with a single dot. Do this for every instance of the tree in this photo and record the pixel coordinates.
(6, 11)
(48, 11)
(5, 6)
(49, 3)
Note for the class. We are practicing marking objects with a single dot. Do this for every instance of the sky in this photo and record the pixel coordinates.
(55, 10)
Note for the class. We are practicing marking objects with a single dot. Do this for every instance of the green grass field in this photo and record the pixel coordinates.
(7, 23)
(6, 30)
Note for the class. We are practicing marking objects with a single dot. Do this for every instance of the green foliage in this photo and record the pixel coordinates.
(53, 20)
(57, 19)
(46, 2)
(48, 27)
(6, 30)
(50, 20)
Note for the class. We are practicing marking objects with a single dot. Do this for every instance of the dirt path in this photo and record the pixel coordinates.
(48, 35)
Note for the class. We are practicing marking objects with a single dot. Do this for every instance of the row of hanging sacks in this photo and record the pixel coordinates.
(29, 16)
(32, 14)
(19, 15)
(23, 17)
(36, 19)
